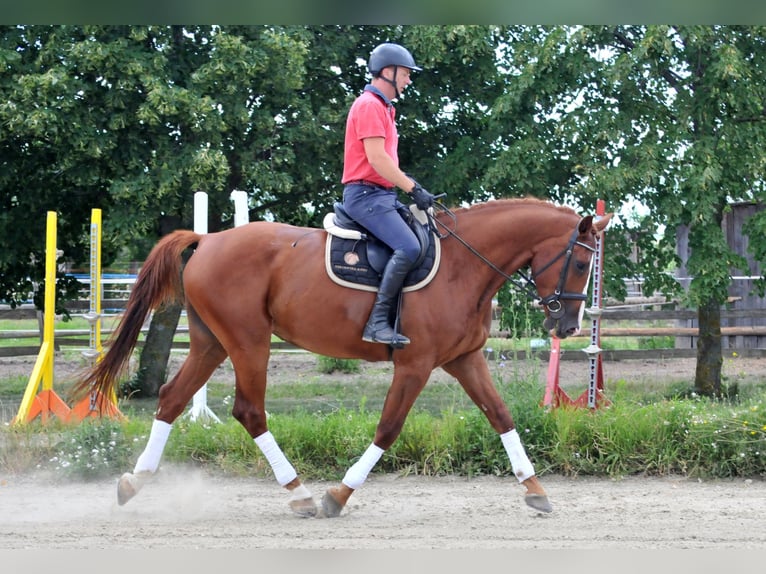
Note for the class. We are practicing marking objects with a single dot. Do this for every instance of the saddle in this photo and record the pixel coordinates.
(355, 258)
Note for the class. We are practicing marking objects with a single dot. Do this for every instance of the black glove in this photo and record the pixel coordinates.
(422, 198)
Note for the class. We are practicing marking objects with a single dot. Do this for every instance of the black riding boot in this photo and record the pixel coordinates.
(378, 328)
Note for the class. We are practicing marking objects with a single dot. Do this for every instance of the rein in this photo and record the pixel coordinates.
(552, 301)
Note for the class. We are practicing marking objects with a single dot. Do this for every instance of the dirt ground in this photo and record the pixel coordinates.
(193, 509)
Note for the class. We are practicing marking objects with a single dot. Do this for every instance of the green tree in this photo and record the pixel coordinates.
(670, 116)
(134, 119)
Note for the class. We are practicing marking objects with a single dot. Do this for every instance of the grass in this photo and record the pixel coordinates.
(323, 424)
(316, 391)
(324, 421)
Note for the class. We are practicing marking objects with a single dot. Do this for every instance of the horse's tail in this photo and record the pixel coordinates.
(158, 281)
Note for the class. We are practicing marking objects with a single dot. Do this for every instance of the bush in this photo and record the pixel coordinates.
(95, 448)
(329, 365)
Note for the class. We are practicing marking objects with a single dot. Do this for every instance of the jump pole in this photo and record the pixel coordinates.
(241, 214)
(94, 303)
(46, 402)
(199, 410)
(595, 391)
(593, 397)
(95, 404)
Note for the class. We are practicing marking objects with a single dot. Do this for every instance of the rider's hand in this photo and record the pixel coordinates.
(422, 198)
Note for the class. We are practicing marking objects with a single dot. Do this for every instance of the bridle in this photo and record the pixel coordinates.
(553, 301)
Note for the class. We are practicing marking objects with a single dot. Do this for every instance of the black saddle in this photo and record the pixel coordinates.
(358, 258)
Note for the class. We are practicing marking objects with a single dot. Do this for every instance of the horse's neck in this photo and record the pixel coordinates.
(508, 235)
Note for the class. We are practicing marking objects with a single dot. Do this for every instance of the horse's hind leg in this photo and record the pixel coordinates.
(205, 354)
(249, 409)
(473, 374)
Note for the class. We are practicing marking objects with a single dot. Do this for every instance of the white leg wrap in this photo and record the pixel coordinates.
(158, 438)
(357, 474)
(522, 468)
(300, 492)
(283, 470)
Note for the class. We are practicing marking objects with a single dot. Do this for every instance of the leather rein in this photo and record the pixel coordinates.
(553, 301)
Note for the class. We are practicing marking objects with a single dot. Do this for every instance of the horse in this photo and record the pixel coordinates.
(243, 284)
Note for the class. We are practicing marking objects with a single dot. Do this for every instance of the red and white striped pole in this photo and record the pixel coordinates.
(596, 371)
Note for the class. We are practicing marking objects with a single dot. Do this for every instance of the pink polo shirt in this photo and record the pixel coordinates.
(368, 117)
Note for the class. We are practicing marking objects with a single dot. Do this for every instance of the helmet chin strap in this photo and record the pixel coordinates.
(393, 82)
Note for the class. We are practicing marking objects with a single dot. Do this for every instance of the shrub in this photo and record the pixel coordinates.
(329, 365)
(93, 449)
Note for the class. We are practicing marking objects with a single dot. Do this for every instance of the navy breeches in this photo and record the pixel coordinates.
(376, 208)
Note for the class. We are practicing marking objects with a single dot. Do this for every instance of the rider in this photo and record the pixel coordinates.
(371, 175)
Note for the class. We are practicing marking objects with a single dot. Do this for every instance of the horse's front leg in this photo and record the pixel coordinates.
(473, 374)
(405, 388)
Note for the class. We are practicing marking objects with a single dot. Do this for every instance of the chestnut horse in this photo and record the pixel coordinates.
(244, 284)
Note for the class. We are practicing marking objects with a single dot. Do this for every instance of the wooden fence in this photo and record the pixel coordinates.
(616, 321)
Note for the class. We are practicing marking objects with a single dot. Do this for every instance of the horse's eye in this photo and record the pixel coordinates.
(581, 266)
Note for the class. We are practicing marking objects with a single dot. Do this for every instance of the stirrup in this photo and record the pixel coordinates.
(396, 340)
(399, 341)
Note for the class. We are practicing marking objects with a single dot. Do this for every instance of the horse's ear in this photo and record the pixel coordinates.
(585, 224)
(602, 223)
(598, 226)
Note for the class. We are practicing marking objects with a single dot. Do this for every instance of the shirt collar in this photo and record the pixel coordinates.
(377, 92)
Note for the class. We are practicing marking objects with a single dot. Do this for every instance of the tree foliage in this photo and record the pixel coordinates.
(134, 119)
(669, 116)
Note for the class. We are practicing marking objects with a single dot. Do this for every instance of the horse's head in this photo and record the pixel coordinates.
(561, 270)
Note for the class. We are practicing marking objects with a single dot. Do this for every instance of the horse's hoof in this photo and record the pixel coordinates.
(127, 487)
(304, 508)
(330, 506)
(539, 502)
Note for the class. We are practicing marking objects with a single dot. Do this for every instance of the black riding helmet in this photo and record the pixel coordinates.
(389, 54)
